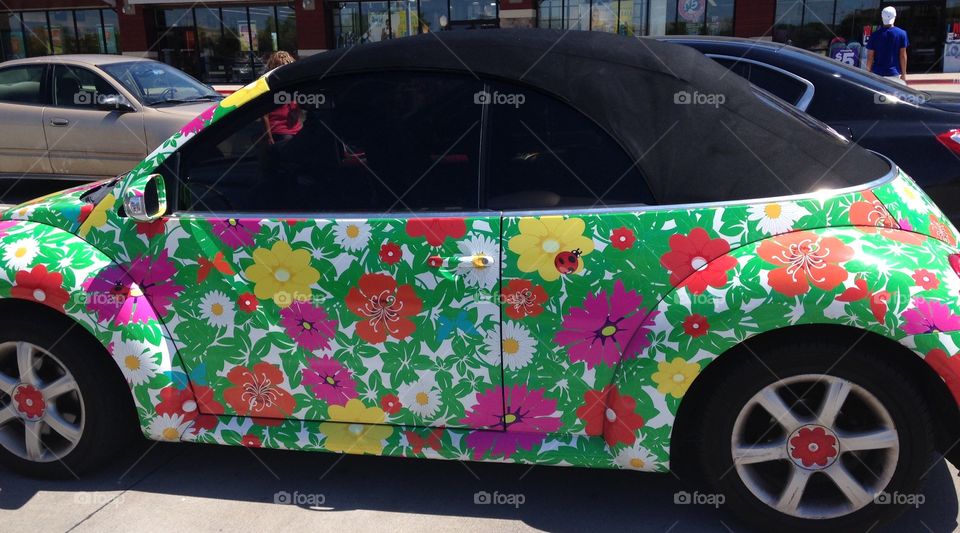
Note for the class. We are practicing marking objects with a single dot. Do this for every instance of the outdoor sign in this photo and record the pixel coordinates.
(951, 49)
(691, 10)
(852, 53)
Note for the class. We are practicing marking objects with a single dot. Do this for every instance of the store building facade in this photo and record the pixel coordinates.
(228, 41)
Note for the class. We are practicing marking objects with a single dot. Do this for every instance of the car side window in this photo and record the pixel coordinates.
(78, 87)
(786, 88)
(22, 84)
(384, 142)
(544, 154)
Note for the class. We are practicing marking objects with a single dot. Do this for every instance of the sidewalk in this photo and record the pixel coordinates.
(189, 487)
(946, 81)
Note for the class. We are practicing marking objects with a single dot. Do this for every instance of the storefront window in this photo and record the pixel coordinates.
(213, 67)
(550, 14)
(38, 37)
(472, 10)
(851, 16)
(89, 36)
(603, 16)
(640, 17)
(577, 14)
(225, 45)
(376, 22)
(286, 29)
(110, 30)
(177, 45)
(434, 15)
(12, 45)
(403, 18)
(346, 24)
(62, 32)
(633, 14)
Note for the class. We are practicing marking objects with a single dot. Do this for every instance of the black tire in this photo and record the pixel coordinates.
(109, 417)
(767, 363)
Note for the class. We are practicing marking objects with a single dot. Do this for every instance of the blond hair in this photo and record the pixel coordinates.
(278, 59)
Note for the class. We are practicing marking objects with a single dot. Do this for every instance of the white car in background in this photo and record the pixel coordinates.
(84, 117)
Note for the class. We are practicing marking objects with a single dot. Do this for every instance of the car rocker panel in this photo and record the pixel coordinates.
(384, 335)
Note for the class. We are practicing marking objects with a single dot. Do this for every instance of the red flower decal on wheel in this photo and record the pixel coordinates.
(41, 286)
(29, 401)
(436, 230)
(802, 259)
(696, 261)
(383, 307)
(813, 446)
(610, 414)
(521, 298)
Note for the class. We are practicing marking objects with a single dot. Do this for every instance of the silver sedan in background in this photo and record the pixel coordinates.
(71, 118)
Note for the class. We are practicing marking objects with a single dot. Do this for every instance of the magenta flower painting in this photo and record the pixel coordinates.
(5, 225)
(329, 380)
(308, 326)
(132, 294)
(928, 316)
(599, 331)
(235, 232)
(527, 419)
(197, 123)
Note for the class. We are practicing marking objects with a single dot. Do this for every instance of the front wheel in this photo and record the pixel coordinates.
(816, 436)
(63, 406)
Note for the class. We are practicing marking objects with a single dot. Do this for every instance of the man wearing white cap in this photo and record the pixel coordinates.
(887, 49)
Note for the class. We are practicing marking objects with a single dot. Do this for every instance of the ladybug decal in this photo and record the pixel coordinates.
(567, 262)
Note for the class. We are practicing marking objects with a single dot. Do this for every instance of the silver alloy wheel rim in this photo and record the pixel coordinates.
(41, 407)
(855, 482)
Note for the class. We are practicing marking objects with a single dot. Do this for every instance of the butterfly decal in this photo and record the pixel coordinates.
(218, 263)
(431, 441)
(878, 300)
(450, 326)
(198, 376)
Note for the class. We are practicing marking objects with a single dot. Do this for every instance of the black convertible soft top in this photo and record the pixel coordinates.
(689, 152)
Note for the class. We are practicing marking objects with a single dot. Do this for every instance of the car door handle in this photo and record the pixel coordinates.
(477, 261)
(59, 122)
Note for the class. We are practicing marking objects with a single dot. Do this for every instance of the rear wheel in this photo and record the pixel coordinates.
(816, 435)
(63, 409)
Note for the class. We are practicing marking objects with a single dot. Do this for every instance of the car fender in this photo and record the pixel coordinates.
(47, 265)
(894, 283)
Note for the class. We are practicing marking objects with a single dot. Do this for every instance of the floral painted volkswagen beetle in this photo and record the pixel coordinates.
(499, 246)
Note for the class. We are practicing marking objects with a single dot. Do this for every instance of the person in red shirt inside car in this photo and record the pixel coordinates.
(286, 120)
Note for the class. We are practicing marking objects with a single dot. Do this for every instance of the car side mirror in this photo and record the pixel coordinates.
(114, 102)
(145, 198)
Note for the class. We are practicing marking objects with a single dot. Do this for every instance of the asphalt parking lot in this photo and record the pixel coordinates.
(166, 487)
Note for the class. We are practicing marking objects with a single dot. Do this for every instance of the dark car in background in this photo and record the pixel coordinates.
(919, 130)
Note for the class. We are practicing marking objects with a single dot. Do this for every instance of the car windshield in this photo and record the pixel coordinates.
(155, 83)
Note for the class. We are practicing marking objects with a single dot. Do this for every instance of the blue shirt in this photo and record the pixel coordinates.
(886, 44)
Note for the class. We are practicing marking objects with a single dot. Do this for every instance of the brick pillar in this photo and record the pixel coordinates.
(314, 29)
(136, 30)
(754, 18)
(518, 13)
